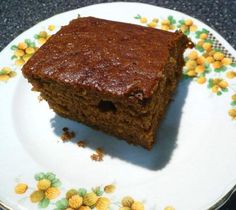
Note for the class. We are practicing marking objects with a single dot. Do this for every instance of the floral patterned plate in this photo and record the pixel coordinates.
(50, 162)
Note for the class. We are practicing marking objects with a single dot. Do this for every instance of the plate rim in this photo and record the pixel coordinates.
(228, 192)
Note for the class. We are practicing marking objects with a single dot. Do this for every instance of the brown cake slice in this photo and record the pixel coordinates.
(113, 76)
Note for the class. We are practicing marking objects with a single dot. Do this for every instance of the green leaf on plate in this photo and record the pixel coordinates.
(44, 203)
(56, 183)
(82, 191)
(219, 93)
(199, 48)
(181, 22)
(233, 103)
(221, 69)
(137, 17)
(207, 65)
(205, 31)
(39, 176)
(50, 176)
(187, 32)
(32, 44)
(27, 41)
(217, 50)
(98, 191)
(36, 36)
(14, 47)
(171, 19)
(233, 64)
(202, 74)
(13, 57)
(62, 204)
(209, 41)
(198, 33)
(210, 83)
(225, 89)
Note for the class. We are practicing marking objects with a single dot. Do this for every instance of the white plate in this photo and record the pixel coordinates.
(192, 166)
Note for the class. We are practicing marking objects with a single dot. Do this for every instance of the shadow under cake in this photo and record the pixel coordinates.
(115, 77)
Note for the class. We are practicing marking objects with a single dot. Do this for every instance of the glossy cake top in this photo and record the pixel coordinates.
(115, 58)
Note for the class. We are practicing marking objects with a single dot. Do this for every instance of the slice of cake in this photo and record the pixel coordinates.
(113, 76)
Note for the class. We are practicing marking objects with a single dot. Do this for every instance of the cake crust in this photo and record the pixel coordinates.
(117, 59)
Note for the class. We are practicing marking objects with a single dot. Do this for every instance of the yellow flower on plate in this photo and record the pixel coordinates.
(21, 188)
(223, 84)
(90, 199)
(84, 208)
(169, 208)
(22, 46)
(218, 56)
(232, 113)
(137, 206)
(200, 69)
(143, 20)
(19, 62)
(37, 196)
(12, 74)
(43, 184)
(217, 64)
(30, 50)
(103, 203)
(43, 34)
(204, 36)
(191, 73)
(70, 193)
(152, 24)
(51, 27)
(127, 201)
(165, 27)
(226, 61)
(188, 22)
(42, 40)
(26, 57)
(75, 201)
(156, 20)
(165, 22)
(215, 88)
(19, 53)
(124, 208)
(200, 43)
(52, 193)
(210, 59)
(231, 74)
(4, 77)
(110, 188)
(191, 64)
(200, 60)
(193, 28)
(201, 80)
(234, 97)
(193, 55)
(207, 46)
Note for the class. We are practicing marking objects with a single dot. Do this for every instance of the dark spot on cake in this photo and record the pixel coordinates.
(106, 106)
(65, 129)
